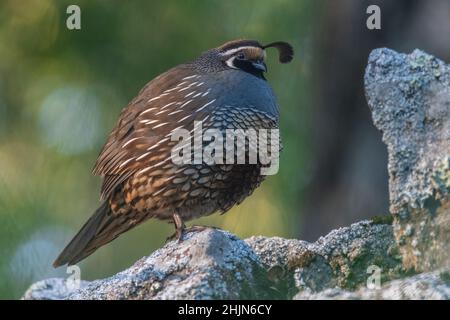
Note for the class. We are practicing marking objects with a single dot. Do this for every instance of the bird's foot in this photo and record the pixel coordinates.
(200, 228)
(196, 228)
(179, 233)
(179, 228)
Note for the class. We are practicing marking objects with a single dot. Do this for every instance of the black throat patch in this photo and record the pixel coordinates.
(247, 66)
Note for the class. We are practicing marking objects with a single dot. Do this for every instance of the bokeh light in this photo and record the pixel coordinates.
(69, 120)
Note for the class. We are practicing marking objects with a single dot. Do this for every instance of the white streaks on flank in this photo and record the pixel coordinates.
(198, 110)
(177, 128)
(125, 162)
(143, 156)
(157, 144)
(161, 95)
(176, 87)
(199, 84)
(206, 93)
(180, 170)
(183, 88)
(182, 119)
(153, 166)
(187, 87)
(167, 105)
(148, 110)
(153, 147)
(197, 94)
(144, 170)
(205, 118)
(189, 94)
(172, 89)
(162, 111)
(169, 178)
(184, 104)
(190, 77)
(159, 191)
(129, 141)
(160, 125)
(152, 99)
(173, 112)
(151, 121)
(148, 121)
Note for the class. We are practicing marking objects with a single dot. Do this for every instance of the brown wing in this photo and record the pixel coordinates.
(142, 134)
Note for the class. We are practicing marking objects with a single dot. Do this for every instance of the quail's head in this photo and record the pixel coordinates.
(246, 55)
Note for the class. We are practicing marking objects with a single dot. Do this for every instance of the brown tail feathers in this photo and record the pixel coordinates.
(101, 228)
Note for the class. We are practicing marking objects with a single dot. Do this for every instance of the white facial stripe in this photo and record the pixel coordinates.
(230, 61)
(231, 51)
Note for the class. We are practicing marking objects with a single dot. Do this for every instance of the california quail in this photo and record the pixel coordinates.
(223, 88)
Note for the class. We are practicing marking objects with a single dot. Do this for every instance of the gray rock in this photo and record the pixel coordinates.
(52, 289)
(409, 96)
(342, 258)
(211, 264)
(215, 264)
(426, 286)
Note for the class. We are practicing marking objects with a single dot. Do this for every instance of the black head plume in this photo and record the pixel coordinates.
(285, 51)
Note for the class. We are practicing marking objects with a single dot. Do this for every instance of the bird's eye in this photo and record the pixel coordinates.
(241, 56)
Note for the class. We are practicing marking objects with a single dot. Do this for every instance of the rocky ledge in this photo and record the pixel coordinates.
(404, 255)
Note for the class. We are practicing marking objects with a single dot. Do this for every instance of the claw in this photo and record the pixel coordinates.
(180, 230)
(196, 229)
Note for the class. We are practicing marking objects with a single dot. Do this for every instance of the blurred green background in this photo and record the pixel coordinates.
(61, 92)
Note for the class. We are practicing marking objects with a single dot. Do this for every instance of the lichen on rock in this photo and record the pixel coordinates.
(409, 96)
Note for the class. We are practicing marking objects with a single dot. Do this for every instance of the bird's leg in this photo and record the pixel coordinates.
(196, 228)
(179, 228)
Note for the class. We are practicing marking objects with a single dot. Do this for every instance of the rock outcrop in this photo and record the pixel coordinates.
(211, 264)
(215, 264)
(425, 286)
(409, 96)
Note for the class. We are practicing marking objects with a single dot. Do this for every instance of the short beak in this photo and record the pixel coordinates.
(260, 65)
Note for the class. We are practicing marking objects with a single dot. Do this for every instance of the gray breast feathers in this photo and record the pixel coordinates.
(239, 89)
